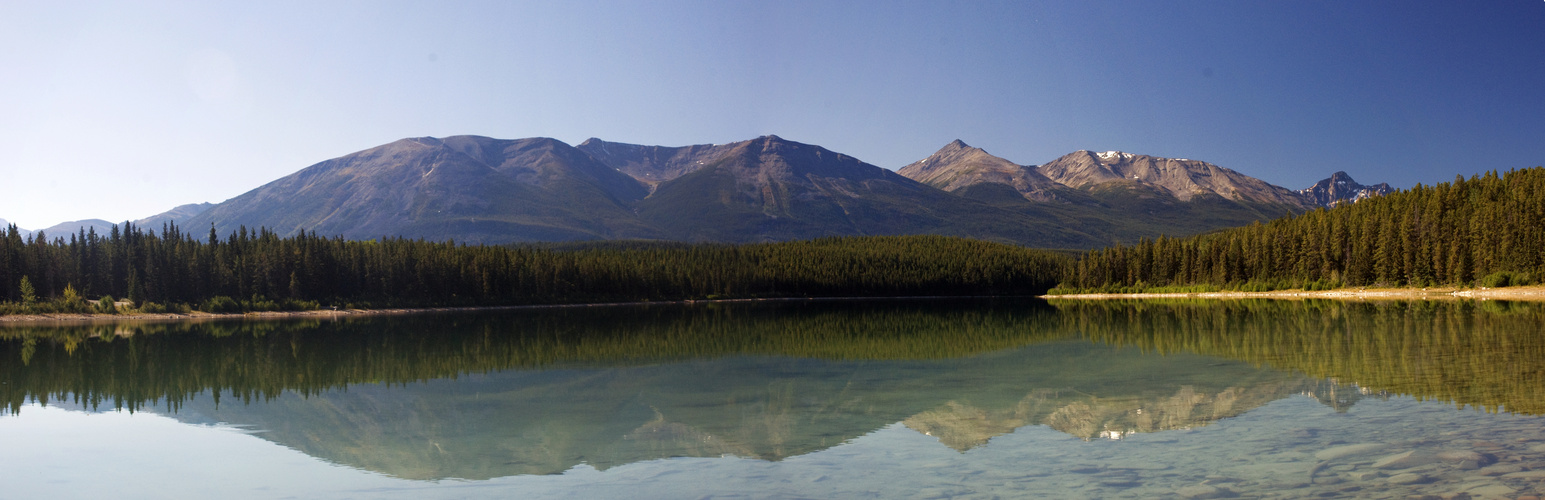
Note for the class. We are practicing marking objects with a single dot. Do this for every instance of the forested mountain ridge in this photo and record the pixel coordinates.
(79, 227)
(1487, 230)
(24, 233)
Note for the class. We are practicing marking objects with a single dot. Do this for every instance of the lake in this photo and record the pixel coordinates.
(826, 399)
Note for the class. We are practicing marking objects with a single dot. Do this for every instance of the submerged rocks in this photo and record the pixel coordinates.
(1203, 491)
(1403, 460)
(1460, 456)
(1499, 469)
(1493, 490)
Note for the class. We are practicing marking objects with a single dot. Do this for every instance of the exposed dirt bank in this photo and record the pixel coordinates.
(1534, 293)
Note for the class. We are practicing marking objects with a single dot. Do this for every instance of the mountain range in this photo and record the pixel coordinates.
(482, 190)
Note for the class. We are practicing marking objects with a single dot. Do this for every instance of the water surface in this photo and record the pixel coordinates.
(913, 399)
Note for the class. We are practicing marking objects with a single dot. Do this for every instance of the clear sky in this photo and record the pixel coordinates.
(123, 110)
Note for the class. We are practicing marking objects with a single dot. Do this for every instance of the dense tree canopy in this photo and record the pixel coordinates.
(1487, 230)
(260, 270)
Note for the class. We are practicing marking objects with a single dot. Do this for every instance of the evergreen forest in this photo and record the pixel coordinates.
(173, 271)
(1488, 230)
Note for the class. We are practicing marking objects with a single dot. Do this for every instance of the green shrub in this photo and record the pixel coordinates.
(1497, 280)
(300, 305)
(260, 303)
(220, 304)
(1323, 284)
(70, 301)
(106, 305)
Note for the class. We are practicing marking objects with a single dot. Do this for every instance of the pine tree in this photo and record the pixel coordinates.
(29, 295)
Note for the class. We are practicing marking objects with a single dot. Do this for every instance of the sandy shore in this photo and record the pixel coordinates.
(1532, 293)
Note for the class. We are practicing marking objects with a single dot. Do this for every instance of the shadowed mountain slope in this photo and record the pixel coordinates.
(652, 164)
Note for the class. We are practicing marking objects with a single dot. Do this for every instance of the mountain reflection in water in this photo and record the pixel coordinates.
(537, 392)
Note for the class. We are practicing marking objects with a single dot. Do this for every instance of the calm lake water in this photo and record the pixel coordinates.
(887, 399)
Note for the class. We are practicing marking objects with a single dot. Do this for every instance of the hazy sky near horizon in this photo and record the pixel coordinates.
(123, 110)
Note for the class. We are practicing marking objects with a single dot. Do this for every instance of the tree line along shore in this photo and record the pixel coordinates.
(1484, 231)
(172, 272)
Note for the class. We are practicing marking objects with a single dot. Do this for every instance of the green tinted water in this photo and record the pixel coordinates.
(876, 399)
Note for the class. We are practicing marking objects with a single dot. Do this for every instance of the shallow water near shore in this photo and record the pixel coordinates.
(948, 399)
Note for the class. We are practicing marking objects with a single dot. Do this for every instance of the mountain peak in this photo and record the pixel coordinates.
(958, 166)
(1340, 188)
(1110, 156)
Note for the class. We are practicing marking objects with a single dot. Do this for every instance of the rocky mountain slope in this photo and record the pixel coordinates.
(467, 188)
(651, 164)
(958, 166)
(1120, 196)
(774, 189)
(1183, 179)
(482, 190)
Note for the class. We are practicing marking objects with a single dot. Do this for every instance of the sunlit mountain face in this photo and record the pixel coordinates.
(483, 190)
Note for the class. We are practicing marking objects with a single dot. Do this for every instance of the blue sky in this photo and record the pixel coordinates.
(123, 110)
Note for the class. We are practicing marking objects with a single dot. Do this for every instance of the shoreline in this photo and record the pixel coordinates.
(95, 318)
(1527, 293)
